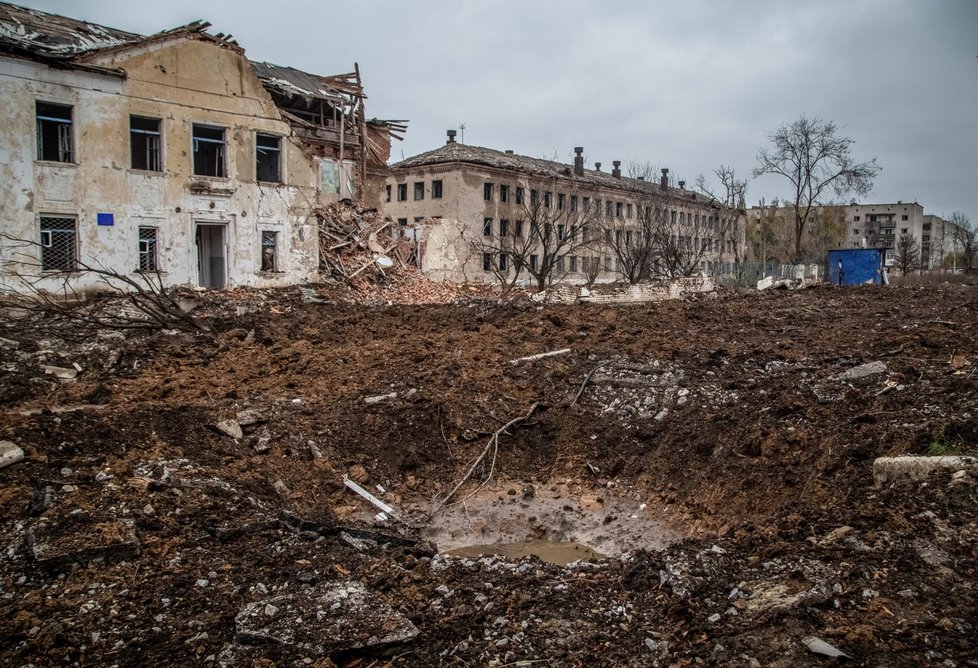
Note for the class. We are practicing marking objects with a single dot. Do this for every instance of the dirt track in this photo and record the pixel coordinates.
(731, 419)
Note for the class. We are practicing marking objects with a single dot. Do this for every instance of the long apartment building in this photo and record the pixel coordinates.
(472, 209)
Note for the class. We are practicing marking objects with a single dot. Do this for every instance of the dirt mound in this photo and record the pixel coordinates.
(182, 490)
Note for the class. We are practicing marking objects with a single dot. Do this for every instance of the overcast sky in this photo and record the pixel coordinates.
(686, 85)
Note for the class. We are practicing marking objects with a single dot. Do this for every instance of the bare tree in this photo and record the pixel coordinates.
(547, 228)
(590, 269)
(146, 302)
(816, 160)
(732, 195)
(633, 244)
(966, 238)
(907, 256)
(557, 225)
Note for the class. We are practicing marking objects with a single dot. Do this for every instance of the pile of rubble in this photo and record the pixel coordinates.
(353, 240)
(380, 266)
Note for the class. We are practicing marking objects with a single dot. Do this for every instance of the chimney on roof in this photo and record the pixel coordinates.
(682, 185)
(616, 169)
(451, 136)
(579, 160)
(664, 181)
(597, 166)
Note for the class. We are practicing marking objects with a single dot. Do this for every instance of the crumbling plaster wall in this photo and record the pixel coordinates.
(182, 82)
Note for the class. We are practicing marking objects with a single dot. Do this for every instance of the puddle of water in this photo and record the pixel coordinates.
(552, 552)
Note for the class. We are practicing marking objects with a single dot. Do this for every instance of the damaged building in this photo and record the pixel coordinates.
(170, 154)
(483, 215)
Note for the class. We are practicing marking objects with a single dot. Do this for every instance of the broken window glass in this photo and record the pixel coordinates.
(268, 158)
(503, 228)
(519, 195)
(503, 262)
(269, 250)
(486, 262)
(504, 194)
(401, 192)
(518, 231)
(208, 145)
(418, 190)
(54, 135)
(436, 189)
(59, 250)
(147, 249)
(487, 191)
(487, 227)
(144, 144)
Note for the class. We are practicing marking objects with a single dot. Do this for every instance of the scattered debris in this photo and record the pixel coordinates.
(540, 356)
(385, 510)
(324, 619)
(818, 646)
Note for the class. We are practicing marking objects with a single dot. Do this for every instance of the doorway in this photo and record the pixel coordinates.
(211, 256)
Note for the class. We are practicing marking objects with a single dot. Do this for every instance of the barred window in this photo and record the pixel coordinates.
(59, 245)
(147, 249)
(269, 251)
(54, 132)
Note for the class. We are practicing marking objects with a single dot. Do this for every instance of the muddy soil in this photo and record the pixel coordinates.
(182, 500)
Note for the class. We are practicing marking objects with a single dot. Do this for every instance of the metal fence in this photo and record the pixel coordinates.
(747, 274)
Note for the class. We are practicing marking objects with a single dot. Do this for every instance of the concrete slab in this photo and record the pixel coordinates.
(890, 469)
(81, 538)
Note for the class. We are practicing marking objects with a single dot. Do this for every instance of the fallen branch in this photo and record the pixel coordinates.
(531, 358)
(493, 446)
(586, 379)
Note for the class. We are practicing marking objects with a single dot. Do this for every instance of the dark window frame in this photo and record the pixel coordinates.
(145, 143)
(209, 155)
(268, 158)
(55, 131)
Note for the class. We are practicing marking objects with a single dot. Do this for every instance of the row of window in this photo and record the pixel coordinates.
(562, 264)
(621, 237)
(874, 219)
(55, 143)
(59, 246)
(437, 191)
(608, 208)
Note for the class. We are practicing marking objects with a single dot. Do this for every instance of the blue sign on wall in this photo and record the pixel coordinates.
(107, 219)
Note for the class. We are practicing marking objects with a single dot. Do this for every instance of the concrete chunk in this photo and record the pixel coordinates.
(324, 619)
(889, 469)
(10, 453)
(230, 428)
(863, 371)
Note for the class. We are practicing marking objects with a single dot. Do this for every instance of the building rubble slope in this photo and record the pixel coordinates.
(181, 497)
